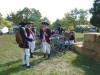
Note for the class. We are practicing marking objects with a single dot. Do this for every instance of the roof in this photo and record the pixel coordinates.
(83, 26)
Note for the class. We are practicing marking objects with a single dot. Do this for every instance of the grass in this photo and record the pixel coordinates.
(68, 63)
(79, 36)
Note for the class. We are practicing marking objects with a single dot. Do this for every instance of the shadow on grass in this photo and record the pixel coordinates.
(90, 66)
(13, 67)
(9, 63)
(10, 68)
(37, 61)
(38, 53)
(55, 52)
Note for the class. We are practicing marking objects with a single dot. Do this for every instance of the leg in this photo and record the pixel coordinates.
(48, 49)
(44, 48)
(32, 49)
(23, 57)
(27, 53)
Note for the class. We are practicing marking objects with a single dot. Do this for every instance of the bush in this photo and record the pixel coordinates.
(98, 30)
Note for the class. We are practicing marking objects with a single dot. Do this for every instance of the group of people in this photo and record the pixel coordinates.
(28, 35)
(59, 30)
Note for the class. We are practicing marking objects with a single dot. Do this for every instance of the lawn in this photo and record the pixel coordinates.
(79, 36)
(68, 63)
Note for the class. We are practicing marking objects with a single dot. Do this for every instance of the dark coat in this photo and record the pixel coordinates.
(72, 37)
(48, 31)
(25, 38)
(60, 30)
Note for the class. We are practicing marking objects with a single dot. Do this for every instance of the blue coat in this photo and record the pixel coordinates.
(25, 38)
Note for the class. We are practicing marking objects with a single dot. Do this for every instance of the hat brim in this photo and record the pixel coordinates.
(22, 23)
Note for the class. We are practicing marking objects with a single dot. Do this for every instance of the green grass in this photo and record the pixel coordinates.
(79, 36)
(68, 63)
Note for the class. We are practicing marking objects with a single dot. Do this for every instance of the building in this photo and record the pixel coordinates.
(85, 28)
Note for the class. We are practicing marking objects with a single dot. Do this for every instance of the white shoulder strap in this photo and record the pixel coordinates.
(24, 31)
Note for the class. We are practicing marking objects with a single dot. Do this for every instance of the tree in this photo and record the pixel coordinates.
(95, 11)
(72, 18)
(74, 14)
(14, 17)
(56, 23)
(7, 23)
(79, 16)
(45, 19)
(36, 17)
(68, 22)
(26, 15)
(1, 19)
(82, 16)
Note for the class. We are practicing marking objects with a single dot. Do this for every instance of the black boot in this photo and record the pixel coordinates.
(44, 55)
(31, 55)
(48, 56)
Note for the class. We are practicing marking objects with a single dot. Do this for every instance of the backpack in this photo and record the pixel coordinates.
(19, 39)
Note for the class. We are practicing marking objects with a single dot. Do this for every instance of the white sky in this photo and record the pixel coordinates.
(52, 9)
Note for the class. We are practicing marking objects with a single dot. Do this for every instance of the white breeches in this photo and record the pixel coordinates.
(32, 46)
(25, 56)
(46, 47)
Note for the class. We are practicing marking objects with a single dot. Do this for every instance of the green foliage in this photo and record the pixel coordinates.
(98, 30)
(95, 11)
(7, 23)
(45, 19)
(74, 14)
(79, 16)
(82, 22)
(26, 15)
(73, 18)
(83, 14)
(68, 22)
(1, 19)
(56, 23)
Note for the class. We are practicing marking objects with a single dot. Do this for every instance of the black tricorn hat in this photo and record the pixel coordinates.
(59, 24)
(22, 23)
(45, 23)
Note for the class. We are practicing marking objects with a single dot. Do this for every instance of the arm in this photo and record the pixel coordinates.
(23, 34)
(49, 33)
(41, 34)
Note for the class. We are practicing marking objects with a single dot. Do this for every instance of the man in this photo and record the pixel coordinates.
(60, 30)
(25, 46)
(45, 34)
(31, 35)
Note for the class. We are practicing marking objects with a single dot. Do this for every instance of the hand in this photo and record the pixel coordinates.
(45, 33)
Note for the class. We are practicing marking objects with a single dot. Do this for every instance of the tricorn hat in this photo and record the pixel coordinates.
(45, 23)
(22, 23)
(59, 24)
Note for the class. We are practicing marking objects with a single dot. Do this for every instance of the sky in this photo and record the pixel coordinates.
(52, 9)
